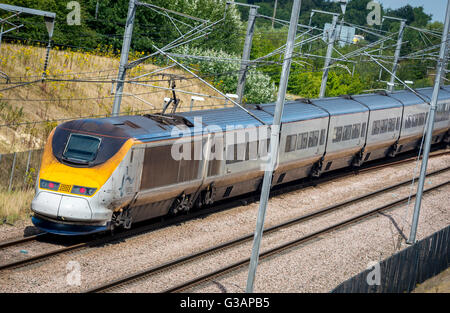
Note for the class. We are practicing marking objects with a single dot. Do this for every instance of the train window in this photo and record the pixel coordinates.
(408, 121)
(313, 139)
(438, 113)
(355, 131)
(347, 132)
(81, 148)
(302, 141)
(159, 168)
(391, 125)
(237, 152)
(376, 128)
(216, 156)
(247, 147)
(263, 147)
(240, 151)
(214, 167)
(397, 126)
(384, 126)
(414, 120)
(322, 137)
(252, 150)
(337, 134)
(188, 169)
(421, 119)
(291, 143)
(232, 153)
(363, 129)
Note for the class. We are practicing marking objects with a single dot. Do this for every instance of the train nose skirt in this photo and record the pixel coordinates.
(66, 229)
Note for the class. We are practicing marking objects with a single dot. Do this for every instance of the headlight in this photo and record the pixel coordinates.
(45, 184)
(79, 190)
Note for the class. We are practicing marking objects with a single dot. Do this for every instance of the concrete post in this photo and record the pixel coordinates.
(124, 57)
(397, 55)
(429, 126)
(246, 53)
(274, 141)
(274, 13)
(331, 38)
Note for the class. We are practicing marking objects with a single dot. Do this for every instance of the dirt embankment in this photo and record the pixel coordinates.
(78, 85)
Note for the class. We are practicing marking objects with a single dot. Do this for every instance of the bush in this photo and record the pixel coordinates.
(308, 84)
(223, 74)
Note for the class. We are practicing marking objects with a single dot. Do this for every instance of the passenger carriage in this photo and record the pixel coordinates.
(98, 174)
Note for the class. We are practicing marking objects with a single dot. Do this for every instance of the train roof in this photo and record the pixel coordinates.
(446, 88)
(227, 117)
(443, 94)
(378, 101)
(139, 127)
(297, 111)
(154, 127)
(406, 97)
(409, 98)
(339, 105)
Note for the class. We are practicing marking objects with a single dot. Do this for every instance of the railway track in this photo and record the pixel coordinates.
(208, 277)
(220, 206)
(145, 274)
(17, 241)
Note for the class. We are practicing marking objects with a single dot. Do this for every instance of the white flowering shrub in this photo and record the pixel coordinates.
(224, 73)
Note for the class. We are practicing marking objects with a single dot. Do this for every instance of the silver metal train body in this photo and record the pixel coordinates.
(127, 162)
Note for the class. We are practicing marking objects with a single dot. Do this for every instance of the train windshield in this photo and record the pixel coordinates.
(81, 148)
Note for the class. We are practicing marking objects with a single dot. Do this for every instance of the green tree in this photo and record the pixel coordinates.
(150, 27)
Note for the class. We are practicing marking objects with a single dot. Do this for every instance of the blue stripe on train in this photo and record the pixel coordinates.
(66, 229)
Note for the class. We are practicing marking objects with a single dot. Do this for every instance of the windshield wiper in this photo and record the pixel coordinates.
(75, 161)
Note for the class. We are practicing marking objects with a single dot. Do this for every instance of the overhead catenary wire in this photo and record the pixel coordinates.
(343, 59)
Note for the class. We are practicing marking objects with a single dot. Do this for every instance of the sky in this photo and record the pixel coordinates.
(435, 7)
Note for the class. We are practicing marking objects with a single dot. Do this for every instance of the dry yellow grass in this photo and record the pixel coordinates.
(25, 63)
(15, 205)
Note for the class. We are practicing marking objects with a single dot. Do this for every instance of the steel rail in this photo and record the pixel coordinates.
(16, 241)
(189, 258)
(207, 277)
(217, 207)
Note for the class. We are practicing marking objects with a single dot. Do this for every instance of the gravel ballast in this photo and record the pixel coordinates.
(317, 267)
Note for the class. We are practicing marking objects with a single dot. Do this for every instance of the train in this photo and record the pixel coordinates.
(100, 174)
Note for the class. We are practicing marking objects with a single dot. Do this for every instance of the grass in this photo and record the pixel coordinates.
(15, 206)
(66, 99)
